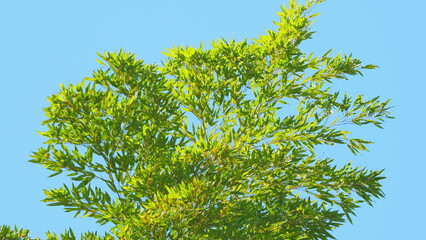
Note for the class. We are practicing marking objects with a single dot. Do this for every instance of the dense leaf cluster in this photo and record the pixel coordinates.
(215, 143)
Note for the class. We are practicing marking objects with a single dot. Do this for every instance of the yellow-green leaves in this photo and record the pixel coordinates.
(215, 143)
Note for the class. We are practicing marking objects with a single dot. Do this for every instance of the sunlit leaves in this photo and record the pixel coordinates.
(215, 143)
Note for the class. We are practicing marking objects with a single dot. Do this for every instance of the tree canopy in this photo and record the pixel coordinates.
(215, 143)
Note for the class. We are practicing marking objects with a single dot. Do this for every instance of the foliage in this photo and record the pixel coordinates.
(16, 233)
(7, 233)
(207, 145)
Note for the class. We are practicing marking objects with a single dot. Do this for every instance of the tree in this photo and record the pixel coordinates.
(207, 145)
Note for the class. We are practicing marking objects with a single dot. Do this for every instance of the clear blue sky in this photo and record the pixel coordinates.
(44, 43)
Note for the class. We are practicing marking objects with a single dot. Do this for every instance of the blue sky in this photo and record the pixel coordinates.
(45, 43)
